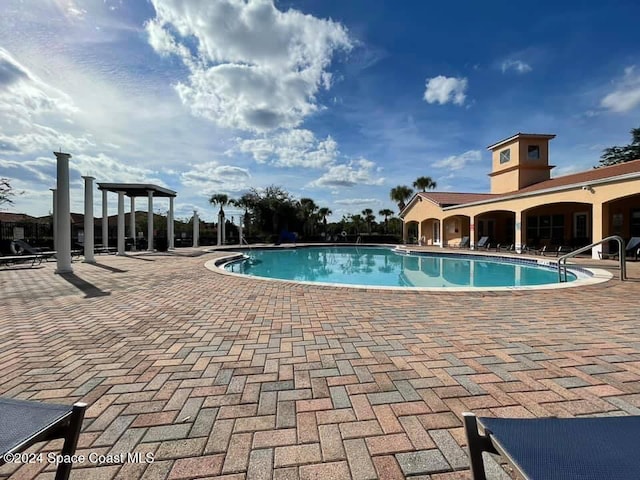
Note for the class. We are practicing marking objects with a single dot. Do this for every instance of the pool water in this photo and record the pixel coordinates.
(382, 266)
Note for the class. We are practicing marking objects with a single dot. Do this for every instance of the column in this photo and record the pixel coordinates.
(63, 231)
(472, 232)
(120, 223)
(442, 233)
(88, 220)
(240, 230)
(220, 222)
(518, 238)
(170, 225)
(150, 221)
(405, 232)
(224, 229)
(196, 229)
(132, 223)
(105, 220)
(597, 230)
(55, 219)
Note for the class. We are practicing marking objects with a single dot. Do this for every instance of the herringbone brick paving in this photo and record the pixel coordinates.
(234, 378)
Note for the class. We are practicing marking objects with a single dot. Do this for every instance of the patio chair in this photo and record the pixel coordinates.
(20, 246)
(482, 243)
(24, 422)
(586, 448)
(6, 260)
(464, 243)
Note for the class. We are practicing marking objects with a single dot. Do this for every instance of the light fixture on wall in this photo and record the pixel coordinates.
(589, 188)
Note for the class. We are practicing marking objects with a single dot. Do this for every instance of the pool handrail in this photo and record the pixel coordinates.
(562, 261)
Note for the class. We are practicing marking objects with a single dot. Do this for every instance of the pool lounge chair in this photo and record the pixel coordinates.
(464, 243)
(24, 422)
(19, 259)
(20, 246)
(482, 243)
(586, 448)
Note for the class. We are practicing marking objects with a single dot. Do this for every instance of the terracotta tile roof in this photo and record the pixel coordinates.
(581, 177)
(444, 199)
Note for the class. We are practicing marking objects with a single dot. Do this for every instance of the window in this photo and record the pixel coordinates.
(505, 156)
(533, 152)
(546, 227)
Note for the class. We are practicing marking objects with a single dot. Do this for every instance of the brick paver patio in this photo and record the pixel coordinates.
(234, 378)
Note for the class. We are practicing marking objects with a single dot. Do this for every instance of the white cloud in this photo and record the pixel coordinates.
(516, 65)
(358, 201)
(358, 172)
(443, 90)
(211, 177)
(252, 66)
(626, 95)
(458, 162)
(292, 148)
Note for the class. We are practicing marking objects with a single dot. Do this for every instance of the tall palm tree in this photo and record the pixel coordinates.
(220, 199)
(369, 217)
(386, 213)
(308, 209)
(323, 213)
(424, 184)
(400, 195)
(246, 202)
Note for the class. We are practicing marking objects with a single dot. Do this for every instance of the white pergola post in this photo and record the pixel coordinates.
(132, 223)
(150, 221)
(442, 233)
(517, 238)
(196, 229)
(240, 231)
(63, 228)
(220, 221)
(224, 230)
(55, 219)
(105, 220)
(88, 220)
(170, 225)
(120, 223)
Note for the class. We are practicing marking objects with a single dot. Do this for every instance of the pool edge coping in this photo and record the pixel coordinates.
(597, 275)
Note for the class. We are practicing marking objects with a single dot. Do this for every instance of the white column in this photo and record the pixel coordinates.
(442, 233)
(220, 221)
(120, 223)
(196, 229)
(224, 229)
(472, 233)
(55, 219)
(517, 239)
(105, 220)
(170, 225)
(150, 221)
(597, 232)
(132, 223)
(240, 230)
(64, 214)
(88, 220)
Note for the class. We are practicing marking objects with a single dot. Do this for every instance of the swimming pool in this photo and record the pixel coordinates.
(388, 267)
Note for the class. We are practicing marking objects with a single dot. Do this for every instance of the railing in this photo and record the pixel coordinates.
(562, 261)
(358, 240)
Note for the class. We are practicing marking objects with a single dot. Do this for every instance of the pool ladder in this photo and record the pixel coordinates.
(562, 261)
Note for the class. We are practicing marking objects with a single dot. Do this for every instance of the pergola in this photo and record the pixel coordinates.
(133, 190)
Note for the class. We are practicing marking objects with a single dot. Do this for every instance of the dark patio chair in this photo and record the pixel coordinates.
(24, 422)
(594, 448)
(19, 247)
(6, 260)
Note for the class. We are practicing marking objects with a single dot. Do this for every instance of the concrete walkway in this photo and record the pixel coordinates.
(234, 378)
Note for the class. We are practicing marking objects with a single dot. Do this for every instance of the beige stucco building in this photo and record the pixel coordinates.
(526, 207)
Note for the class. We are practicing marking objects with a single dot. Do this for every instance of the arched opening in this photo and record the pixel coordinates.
(563, 224)
(455, 229)
(430, 231)
(498, 225)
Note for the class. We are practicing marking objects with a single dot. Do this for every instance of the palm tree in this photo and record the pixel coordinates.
(400, 195)
(222, 200)
(369, 217)
(386, 213)
(246, 202)
(424, 183)
(323, 213)
(308, 208)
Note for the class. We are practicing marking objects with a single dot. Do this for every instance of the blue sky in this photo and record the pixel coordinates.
(335, 100)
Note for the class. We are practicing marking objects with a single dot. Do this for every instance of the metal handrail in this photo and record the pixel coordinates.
(562, 261)
(359, 240)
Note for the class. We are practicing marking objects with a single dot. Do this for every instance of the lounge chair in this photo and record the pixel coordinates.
(17, 259)
(633, 247)
(20, 246)
(23, 423)
(482, 243)
(594, 448)
(464, 243)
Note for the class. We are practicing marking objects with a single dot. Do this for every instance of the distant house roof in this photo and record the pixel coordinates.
(16, 217)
